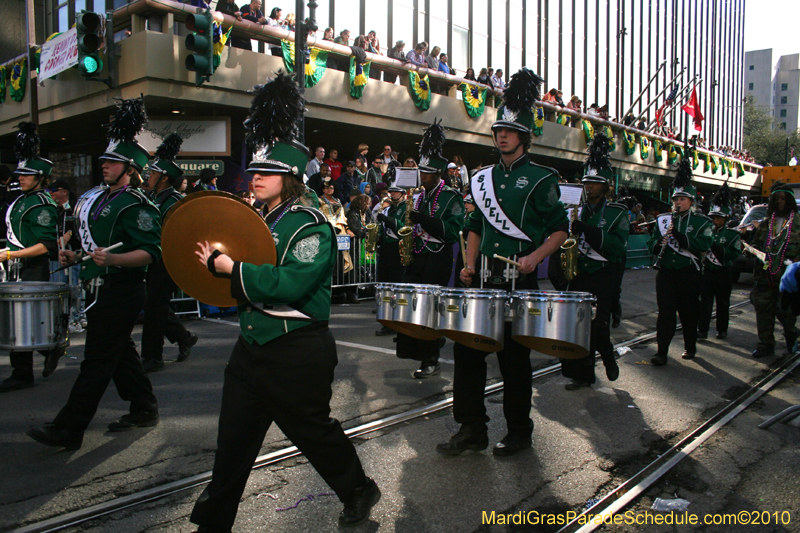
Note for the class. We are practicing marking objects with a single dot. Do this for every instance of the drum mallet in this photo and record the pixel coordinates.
(463, 248)
(507, 260)
(85, 258)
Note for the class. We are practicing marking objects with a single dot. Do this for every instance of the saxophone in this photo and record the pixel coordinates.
(569, 254)
(406, 233)
(372, 238)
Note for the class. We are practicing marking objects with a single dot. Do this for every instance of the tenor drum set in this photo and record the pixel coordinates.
(554, 323)
(34, 315)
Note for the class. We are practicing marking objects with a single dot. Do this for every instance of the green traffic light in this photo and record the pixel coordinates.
(89, 65)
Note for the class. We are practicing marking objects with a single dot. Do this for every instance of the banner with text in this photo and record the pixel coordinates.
(201, 136)
(59, 54)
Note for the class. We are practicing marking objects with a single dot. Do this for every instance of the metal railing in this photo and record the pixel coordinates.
(354, 267)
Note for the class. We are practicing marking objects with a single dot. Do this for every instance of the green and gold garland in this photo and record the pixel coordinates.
(18, 81)
(562, 119)
(630, 142)
(588, 130)
(3, 74)
(739, 169)
(474, 99)
(359, 76)
(315, 68)
(672, 154)
(695, 160)
(538, 121)
(420, 89)
(644, 147)
(706, 162)
(612, 142)
(714, 164)
(658, 151)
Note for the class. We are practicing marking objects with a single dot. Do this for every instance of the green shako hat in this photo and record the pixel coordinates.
(26, 150)
(721, 202)
(431, 160)
(519, 97)
(271, 128)
(598, 165)
(683, 180)
(128, 122)
(166, 153)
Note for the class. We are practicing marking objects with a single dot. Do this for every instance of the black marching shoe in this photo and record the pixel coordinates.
(211, 529)
(185, 347)
(688, 355)
(512, 444)
(133, 421)
(356, 511)
(658, 360)
(12, 384)
(51, 360)
(384, 331)
(576, 384)
(616, 321)
(463, 441)
(151, 365)
(427, 371)
(722, 335)
(763, 351)
(702, 335)
(791, 345)
(52, 435)
(612, 372)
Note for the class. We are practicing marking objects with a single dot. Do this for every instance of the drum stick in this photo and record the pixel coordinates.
(507, 260)
(463, 248)
(85, 258)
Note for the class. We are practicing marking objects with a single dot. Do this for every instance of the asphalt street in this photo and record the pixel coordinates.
(585, 443)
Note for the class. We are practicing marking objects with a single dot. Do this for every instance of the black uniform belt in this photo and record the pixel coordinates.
(119, 278)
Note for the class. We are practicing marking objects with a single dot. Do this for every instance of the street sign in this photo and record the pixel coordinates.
(343, 241)
(59, 54)
(193, 167)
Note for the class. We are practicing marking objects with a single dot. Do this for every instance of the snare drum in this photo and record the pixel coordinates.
(31, 315)
(473, 317)
(384, 294)
(552, 322)
(414, 310)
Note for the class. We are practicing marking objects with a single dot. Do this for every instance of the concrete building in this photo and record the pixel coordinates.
(774, 86)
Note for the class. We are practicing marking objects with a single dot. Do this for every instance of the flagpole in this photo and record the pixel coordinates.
(645, 89)
(681, 94)
(654, 100)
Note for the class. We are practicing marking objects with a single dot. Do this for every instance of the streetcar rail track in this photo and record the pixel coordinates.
(618, 498)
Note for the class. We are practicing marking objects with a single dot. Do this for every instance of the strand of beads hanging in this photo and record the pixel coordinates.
(784, 246)
(418, 232)
(285, 210)
(99, 209)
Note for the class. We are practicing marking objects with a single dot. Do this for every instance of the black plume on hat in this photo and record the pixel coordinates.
(129, 119)
(599, 150)
(723, 196)
(391, 172)
(170, 147)
(27, 146)
(275, 112)
(683, 177)
(433, 140)
(522, 91)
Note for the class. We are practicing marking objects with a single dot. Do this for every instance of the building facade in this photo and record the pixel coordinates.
(774, 86)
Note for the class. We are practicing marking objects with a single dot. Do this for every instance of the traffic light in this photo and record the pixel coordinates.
(201, 42)
(88, 28)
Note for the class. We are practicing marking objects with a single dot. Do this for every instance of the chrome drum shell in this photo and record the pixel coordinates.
(473, 317)
(414, 310)
(31, 315)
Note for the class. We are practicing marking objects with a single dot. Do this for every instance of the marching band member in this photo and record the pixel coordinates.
(106, 216)
(517, 208)
(602, 228)
(391, 218)
(31, 234)
(718, 266)
(679, 240)
(282, 366)
(159, 318)
(778, 236)
(437, 217)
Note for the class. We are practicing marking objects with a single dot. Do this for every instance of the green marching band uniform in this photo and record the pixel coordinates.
(105, 216)
(437, 217)
(778, 235)
(516, 207)
(31, 219)
(679, 262)
(159, 318)
(602, 228)
(726, 246)
(282, 366)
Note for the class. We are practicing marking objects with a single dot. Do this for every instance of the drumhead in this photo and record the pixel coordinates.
(553, 296)
(415, 287)
(32, 288)
(473, 293)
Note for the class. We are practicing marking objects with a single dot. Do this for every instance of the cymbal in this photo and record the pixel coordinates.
(230, 225)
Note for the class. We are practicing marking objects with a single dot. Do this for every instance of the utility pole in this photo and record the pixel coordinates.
(301, 55)
(33, 90)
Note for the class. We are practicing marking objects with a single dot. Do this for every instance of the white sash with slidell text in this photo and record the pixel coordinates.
(583, 246)
(10, 235)
(482, 187)
(82, 213)
(663, 224)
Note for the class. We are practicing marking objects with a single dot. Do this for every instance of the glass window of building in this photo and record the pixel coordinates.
(784, 86)
(752, 67)
(499, 36)
(346, 16)
(376, 18)
(403, 24)
(480, 35)
(459, 53)
(783, 125)
(784, 99)
(749, 86)
(783, 112)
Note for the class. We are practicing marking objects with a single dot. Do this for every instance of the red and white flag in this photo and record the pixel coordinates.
(692, 108)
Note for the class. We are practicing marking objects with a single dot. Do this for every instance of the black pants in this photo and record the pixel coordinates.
(603, 285)
(159, 318)
(286, 381)
(390, 269)
(717, 285)
(33, 269)
(677, 291)
(428, 268)
(616, 305)
(110, 353)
